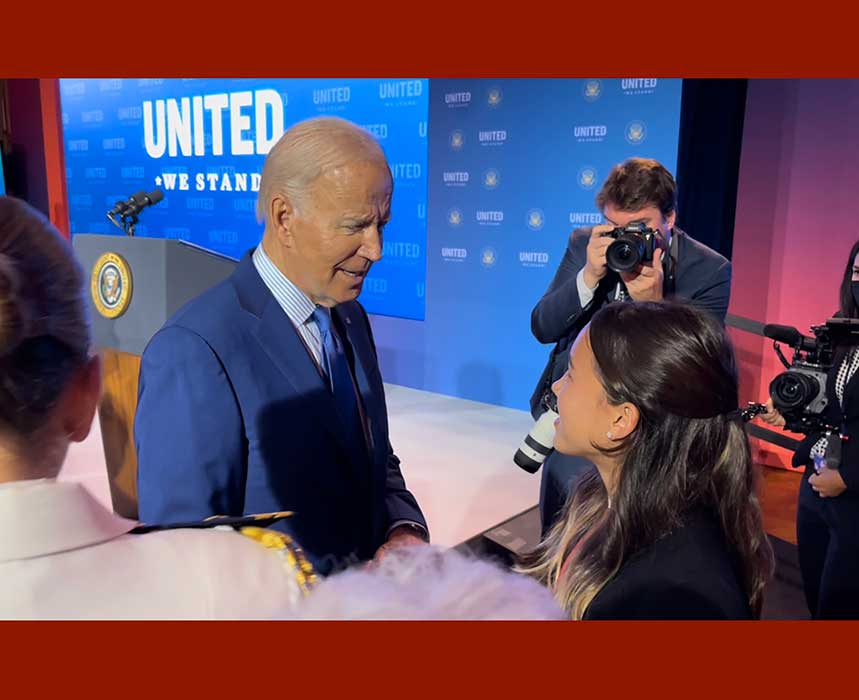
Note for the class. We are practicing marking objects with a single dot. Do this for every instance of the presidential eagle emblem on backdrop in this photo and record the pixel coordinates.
(635, 132)
(587, 177)
(592, 89)
(491, 178)
(488, 257)
(535, 219)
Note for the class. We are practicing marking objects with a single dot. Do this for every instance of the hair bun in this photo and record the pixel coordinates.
(14, 316)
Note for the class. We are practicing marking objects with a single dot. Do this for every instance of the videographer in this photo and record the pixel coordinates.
(642, 194)
(827, 521)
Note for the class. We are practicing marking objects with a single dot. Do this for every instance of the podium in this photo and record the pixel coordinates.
(134, 286)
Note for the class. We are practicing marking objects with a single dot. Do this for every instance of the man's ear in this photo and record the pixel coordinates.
(670, 219)
(282, 217)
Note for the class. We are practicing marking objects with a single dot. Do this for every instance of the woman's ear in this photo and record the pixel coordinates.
(625, 421)
(81, 400)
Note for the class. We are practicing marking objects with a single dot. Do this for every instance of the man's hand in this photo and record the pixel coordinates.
(645, 283)
(827, 484)
(595, 268)
(402, 536)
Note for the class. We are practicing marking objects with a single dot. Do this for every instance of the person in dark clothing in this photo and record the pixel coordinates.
(666, 524)
(637, 191)
(827, 520)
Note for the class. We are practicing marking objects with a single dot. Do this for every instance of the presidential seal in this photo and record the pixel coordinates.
(111, 285)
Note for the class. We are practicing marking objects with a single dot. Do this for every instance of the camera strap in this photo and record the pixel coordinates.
(669, 268)
(668, 286)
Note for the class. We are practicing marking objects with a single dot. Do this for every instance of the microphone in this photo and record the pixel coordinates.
(788, 335)
(782, 334)
(140, 200)
(118, 209)
(130, 208)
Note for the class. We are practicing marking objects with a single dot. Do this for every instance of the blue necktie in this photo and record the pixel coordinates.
(336, 366)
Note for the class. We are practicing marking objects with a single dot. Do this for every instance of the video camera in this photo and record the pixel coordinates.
(799, 394)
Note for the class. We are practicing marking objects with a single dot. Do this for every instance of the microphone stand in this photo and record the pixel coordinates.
(127, 223)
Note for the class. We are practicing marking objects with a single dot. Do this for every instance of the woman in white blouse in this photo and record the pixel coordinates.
(62, 554)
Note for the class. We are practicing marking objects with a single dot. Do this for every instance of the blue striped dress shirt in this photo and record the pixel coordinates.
(293, 301)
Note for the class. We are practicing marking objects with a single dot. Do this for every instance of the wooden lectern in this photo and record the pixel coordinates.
(135, 285)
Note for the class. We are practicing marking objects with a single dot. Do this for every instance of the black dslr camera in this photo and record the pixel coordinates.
(633, 244)
(799, 394)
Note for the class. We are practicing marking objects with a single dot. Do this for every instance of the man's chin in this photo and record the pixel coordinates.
(343, 295)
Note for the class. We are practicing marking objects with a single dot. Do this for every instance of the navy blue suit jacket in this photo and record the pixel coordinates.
(701, 276)
(233, 417)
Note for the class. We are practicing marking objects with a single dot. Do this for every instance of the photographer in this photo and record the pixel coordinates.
(827, 521)
(639, 192)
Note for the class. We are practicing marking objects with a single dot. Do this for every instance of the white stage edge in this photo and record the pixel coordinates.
(457, 458)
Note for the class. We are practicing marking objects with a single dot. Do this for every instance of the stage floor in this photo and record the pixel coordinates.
(457, 458)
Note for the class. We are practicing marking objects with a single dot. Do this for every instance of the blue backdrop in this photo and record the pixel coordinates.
(203, 142)
(514, 167)
(485, 198)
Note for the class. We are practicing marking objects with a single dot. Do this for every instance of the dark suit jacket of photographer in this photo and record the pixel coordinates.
(701, 276)
(848, 417)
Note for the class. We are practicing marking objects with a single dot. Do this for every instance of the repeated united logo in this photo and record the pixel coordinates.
(454, 217)
(456, 140)
(494, 97)
(111, 285)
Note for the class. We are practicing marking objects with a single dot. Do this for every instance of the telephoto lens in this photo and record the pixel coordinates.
(538, 443)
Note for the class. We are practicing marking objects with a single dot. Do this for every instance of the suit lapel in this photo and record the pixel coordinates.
(274, 331)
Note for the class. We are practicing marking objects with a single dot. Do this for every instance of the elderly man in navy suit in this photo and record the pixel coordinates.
(264, 393)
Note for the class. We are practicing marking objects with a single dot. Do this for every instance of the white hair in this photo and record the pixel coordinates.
(308, 149)
(428, 583)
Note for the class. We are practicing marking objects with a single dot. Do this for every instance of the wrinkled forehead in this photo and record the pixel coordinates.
(363, 184)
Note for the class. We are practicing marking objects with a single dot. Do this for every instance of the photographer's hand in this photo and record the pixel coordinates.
(828, 483)
(772, 416)
(595, 268)
(645, 284)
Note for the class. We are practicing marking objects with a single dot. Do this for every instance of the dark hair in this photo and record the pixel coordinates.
(676, 365)
(44, 334)
(638, 183)
(847, 306)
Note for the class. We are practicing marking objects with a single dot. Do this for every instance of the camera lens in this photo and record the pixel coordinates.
(793, 390)
(625, 254)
